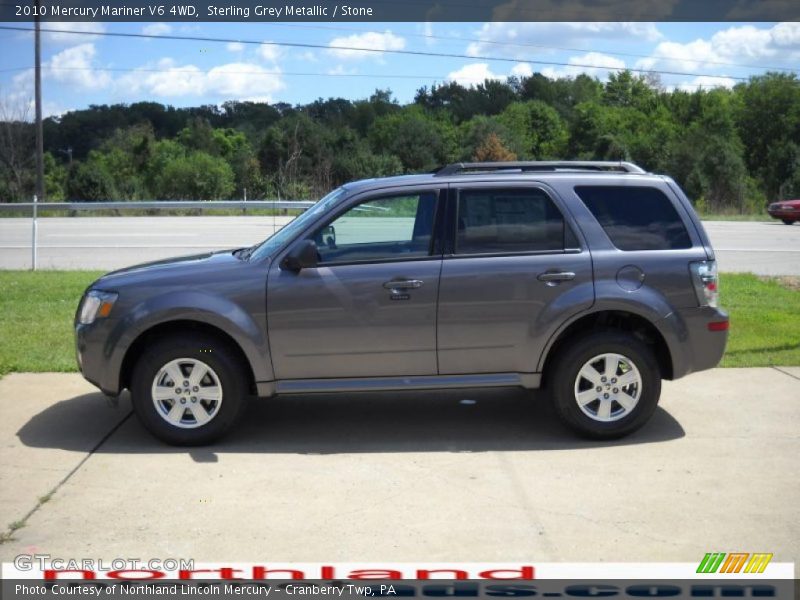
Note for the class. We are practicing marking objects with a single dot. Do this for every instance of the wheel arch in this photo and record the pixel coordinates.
(619, 320)
(178, 327)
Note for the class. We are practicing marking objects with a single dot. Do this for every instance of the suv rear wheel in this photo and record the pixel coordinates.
(787, 221)
(606, 385)
(188, 390)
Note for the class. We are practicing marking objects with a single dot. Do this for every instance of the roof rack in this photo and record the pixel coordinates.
(538, 165)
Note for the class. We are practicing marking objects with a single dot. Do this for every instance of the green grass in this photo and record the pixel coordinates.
(735, 217)
(36, 312)
(765, 320)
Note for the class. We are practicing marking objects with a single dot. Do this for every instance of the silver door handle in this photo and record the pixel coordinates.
(556, 276)
(403, 284)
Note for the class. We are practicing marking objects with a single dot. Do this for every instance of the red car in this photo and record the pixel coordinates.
(787, 211)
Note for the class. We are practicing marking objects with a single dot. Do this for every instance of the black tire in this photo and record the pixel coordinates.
(787, 221)
(226, 367)
(571, 359)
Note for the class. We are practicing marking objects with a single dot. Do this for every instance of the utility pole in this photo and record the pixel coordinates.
(38, 92)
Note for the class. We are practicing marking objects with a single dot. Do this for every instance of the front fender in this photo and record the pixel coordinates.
(198, 306)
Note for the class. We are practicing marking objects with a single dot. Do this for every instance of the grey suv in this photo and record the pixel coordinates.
(595, 280)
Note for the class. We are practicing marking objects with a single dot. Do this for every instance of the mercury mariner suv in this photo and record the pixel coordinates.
(594, 280)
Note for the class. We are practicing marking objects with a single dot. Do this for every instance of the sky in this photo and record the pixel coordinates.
(79, 70)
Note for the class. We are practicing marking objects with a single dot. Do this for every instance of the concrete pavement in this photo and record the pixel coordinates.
(766, 248)
(422, 477)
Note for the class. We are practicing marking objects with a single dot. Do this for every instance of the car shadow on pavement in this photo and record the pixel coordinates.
(457, 421)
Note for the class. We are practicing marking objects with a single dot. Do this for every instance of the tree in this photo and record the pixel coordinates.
(769, 119)
(492, 149)
(196, 176)
(91, 180)
(419, 140)
(17, 156)
(537, 129)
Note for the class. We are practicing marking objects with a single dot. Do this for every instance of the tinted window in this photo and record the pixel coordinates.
(636, 218)
(498, 221)
(379, 229)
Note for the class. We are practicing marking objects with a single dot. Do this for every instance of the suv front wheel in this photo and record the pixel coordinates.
(606, 385)
(188, 390)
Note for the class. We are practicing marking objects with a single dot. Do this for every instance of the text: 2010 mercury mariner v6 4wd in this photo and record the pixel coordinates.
(595, 280)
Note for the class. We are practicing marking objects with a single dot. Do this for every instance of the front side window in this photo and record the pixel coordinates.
(636, 217)
(502, 221)
(390, 227)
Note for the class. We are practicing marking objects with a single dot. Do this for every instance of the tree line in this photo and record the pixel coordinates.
(732, 150)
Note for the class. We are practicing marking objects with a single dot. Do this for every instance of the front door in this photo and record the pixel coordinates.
(369, 308)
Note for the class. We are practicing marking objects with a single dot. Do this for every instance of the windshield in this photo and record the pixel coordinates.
(288, 231)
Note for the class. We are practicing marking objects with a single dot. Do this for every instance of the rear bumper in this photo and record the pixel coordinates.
(702, 337)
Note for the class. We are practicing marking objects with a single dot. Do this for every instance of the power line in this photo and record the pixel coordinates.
(374, 51)
(541, 46)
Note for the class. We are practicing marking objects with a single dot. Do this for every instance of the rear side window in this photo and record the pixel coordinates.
(636, 218)
(500, 221)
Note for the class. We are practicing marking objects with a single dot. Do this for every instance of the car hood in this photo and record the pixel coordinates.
(196, 269)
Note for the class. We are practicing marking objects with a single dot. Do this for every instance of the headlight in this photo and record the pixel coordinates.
(96, 305)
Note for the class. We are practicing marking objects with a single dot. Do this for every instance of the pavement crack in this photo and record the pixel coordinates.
(786, 373)
(8, 534)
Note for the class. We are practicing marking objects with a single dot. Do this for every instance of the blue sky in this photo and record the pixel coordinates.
(80, 70)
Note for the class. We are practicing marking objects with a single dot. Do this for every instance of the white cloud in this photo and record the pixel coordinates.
(705, 82)
(243, 81)
(76, 66)
(232, 81)
(166, 80)
(65, 27)
(371, 40)
(157, 29)
(522, 70)
(592, 63)
(744, 44)
(473, 74)
(307, 56)
(341, 70)
(269, 52)
(553, 34)
(786, 34)
(234, 47)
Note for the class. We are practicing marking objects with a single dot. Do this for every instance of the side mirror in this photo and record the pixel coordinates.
(303, 256)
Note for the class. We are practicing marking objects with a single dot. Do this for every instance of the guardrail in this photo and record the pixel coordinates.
(243, 205)
(157, 205)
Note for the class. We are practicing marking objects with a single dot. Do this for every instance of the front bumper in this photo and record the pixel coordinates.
(778, 213)
(93, 353)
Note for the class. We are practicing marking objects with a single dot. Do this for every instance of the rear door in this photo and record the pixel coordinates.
(514, 270)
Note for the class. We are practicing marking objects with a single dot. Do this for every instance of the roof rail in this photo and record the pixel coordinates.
(539, 165)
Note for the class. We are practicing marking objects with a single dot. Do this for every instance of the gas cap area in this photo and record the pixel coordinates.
(630, 278)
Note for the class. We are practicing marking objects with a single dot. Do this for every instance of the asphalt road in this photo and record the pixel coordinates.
(767, 248)
(419, 477)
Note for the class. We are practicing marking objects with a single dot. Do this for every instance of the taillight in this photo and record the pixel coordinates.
(706, 282)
